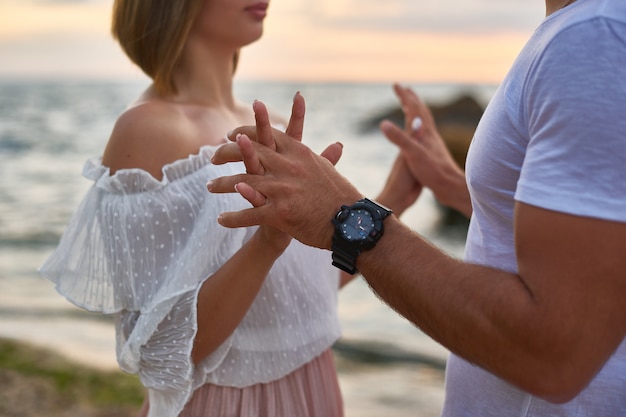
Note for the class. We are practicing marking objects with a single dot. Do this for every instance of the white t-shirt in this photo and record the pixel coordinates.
(140, 249)
(553, 136)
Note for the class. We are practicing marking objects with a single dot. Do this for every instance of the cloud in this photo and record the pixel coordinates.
(452, 16)
(61, 54)
(72, 37)
(64, 1)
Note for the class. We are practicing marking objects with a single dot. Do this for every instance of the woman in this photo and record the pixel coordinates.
(215, 321)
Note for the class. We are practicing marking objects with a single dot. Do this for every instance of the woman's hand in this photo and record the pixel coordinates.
(426, 154)
(401, 190)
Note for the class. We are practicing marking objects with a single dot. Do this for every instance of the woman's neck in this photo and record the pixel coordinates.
(205, 77)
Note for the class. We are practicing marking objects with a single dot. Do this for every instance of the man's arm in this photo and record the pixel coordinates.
(547, 330)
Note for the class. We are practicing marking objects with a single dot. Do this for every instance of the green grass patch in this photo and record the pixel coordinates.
(70, 381)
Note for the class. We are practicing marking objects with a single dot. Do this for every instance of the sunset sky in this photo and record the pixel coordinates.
(321, 40)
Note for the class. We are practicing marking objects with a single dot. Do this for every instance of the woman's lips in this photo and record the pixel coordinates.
(258, 10)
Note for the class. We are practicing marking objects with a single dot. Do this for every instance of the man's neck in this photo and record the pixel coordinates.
(553, 6)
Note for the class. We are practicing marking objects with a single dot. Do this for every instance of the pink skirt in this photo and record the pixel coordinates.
(310, 391)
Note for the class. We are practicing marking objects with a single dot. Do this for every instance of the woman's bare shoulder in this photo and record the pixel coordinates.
(148, 135)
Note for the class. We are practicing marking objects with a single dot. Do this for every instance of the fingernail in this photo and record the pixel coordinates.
(416, 124)
(209, 185)
(296, 95)
(229, 134)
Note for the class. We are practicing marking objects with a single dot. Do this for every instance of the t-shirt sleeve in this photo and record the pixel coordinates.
(575, 106)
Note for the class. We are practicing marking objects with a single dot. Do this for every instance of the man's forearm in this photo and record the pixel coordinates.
(485, 315)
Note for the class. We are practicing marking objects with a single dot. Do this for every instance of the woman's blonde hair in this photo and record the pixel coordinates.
(153, 34)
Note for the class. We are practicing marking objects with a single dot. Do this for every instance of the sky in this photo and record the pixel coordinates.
(470, 41)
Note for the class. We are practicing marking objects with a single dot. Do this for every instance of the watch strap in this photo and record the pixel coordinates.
(344, 256)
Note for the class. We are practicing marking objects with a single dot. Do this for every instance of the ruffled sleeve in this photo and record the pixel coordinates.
(140, 248)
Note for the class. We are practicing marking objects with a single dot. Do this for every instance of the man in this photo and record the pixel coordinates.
(535, 316)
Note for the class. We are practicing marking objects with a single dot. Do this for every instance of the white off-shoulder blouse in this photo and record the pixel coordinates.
(140, 249)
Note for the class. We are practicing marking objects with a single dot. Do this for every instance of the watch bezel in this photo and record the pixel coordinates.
(378, 215)
(346, 251)
(368, 240)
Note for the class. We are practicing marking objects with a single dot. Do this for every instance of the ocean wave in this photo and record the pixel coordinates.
(360, 351)
(371, 351)
(10, 143)
(37, 239)
(52, 313)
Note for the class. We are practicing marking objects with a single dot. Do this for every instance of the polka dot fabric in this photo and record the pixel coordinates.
(140, 249)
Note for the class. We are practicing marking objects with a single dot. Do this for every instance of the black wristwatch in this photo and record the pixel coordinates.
(357, 228)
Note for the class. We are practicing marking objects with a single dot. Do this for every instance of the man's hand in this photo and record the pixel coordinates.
(298, 191)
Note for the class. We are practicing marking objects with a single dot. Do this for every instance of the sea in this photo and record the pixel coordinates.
(48, 128)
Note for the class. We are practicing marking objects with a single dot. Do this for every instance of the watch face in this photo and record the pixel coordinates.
(358, 225)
